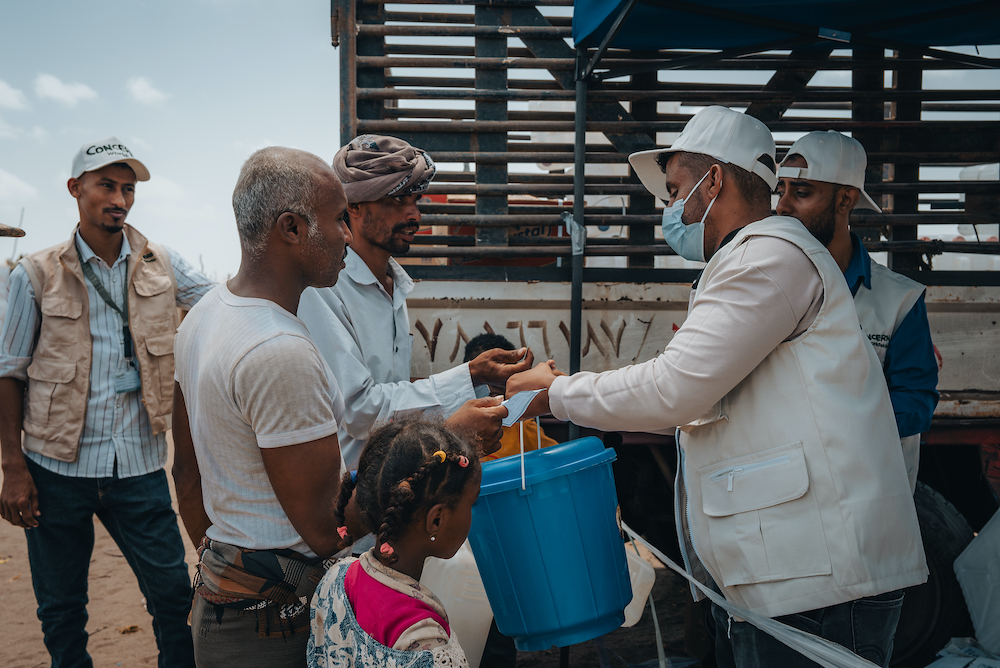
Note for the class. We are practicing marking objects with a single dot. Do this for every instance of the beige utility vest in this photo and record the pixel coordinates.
(793, 488)
(59, 374)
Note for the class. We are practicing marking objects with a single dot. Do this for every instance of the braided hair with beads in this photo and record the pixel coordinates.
(407, 465)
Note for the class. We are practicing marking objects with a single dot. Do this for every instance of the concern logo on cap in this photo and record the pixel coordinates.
(98, 154)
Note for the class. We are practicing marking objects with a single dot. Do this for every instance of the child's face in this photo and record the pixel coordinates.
(456, 521)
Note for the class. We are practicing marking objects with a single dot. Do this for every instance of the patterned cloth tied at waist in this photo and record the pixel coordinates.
(236, 577)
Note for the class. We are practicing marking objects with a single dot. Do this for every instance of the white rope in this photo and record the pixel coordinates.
(820, 650)
(520, 426)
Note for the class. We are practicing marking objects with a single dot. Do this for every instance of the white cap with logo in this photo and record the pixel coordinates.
(718, 132)
(97, 154)
(831, 157)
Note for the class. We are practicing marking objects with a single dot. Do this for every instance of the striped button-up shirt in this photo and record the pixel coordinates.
(116, 431)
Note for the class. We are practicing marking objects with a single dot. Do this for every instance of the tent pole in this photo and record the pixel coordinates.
(579, 182)
(623, 14)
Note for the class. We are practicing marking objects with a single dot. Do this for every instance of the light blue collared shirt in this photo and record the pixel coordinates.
(117, 428)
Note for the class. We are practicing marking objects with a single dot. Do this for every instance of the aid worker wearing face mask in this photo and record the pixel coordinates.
(791, 495)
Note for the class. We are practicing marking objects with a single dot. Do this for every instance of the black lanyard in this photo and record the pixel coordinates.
(88, 271)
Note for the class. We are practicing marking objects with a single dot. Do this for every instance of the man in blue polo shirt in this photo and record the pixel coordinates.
(819, 182)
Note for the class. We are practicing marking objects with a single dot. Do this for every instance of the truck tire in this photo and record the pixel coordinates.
(935, 611)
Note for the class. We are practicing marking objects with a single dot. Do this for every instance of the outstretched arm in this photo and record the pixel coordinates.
(368, 401)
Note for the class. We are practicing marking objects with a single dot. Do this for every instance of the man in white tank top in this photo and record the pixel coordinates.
(819, 182)
(256, 411)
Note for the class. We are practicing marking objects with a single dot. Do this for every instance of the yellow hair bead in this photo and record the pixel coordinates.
(440, 454)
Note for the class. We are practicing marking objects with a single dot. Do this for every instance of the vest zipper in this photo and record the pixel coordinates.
(687, 513)
(748, 468)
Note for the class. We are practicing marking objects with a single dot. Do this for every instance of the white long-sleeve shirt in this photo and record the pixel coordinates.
(765, 293)
(364, 335)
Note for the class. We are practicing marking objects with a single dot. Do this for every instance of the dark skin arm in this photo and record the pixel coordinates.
(306, 480)
(494, 367)
(540, 377)
(19, 498)
(479, 421)
(187, 475)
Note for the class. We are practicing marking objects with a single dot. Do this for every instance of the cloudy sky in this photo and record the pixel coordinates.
(192, 87)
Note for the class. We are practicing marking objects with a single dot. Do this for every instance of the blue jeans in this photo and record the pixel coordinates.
(865, 626)
(137, 513)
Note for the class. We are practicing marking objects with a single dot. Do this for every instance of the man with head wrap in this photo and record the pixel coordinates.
(361, 325)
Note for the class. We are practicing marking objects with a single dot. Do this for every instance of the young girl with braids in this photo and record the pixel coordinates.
(415, 486)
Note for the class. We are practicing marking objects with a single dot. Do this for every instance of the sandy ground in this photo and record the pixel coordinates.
(121, 633)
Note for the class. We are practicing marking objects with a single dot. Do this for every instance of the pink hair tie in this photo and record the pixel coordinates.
(463, 461)
(342, 532)
(386, 549)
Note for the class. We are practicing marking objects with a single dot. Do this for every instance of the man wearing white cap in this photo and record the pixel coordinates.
(86, 373)
(819, 182)
(791, 493)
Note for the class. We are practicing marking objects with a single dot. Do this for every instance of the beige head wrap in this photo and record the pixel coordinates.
(373, 166)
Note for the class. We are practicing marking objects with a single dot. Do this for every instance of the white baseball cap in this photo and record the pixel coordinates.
(831, 157)
(718, 132)
(97, 154)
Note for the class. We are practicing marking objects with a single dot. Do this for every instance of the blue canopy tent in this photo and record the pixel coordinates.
(735, 27)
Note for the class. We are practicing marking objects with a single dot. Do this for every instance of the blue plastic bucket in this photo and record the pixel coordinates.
(551, 557)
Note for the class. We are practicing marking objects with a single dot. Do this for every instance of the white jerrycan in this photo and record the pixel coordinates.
(642, 575)
(457, 584)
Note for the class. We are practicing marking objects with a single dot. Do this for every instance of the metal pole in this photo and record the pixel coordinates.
(579, 181)
(348, 42)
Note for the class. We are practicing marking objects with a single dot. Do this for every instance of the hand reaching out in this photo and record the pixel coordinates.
(479, 421)
(494, 367)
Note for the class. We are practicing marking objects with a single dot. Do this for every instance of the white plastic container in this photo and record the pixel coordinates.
(457, 584)
(642, 575)
(978, 571)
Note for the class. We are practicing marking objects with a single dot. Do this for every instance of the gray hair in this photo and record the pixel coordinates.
(273, 181)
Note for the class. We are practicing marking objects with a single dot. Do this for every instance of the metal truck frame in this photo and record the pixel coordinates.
(493, 88)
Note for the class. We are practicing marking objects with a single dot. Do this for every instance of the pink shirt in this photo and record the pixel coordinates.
(383, 612)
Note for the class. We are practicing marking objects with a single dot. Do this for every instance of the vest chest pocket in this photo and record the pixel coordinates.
(148, 284)
(161, 354)
(49, 390)
(60, 327)
(763, 524)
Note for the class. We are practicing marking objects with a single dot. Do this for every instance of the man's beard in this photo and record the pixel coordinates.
(393, 245)
(115, 226)
(824, 225)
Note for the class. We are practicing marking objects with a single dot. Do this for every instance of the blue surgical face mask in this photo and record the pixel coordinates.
(688, 241)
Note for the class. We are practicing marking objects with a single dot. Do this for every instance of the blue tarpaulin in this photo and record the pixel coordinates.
(664, 25)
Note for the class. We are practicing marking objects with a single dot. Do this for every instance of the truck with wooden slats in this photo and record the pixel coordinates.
(535, 227)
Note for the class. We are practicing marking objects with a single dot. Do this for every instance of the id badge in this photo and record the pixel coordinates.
(127, 380)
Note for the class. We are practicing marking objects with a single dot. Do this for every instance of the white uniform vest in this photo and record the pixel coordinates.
(880, 311)
(794, 484)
